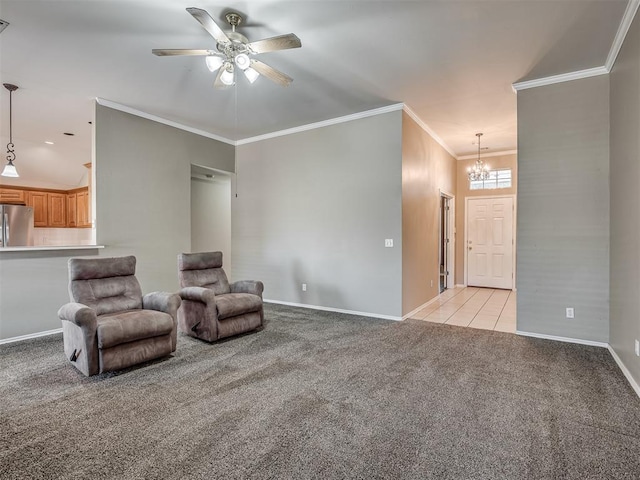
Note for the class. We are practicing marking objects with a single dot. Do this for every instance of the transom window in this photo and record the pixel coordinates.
(500, 178)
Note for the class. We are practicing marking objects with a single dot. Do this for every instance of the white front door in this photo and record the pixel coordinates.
(490, 242)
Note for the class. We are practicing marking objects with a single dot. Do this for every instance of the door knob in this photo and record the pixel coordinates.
(470, 248)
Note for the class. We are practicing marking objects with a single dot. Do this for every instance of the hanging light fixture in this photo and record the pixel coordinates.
(10, 169)
(479, 171)
(227, 77)
(213, 62)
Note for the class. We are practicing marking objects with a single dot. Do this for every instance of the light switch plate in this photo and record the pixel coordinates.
(570, 312)
(388, 242)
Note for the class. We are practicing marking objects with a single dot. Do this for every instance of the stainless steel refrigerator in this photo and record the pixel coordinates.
(17, 225)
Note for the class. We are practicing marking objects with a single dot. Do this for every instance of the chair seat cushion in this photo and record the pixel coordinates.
(130, 325)
(234, 304)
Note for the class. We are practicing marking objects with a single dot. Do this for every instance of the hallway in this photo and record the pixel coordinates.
(485, 308)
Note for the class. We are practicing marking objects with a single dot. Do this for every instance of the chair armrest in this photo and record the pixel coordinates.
(78, 314)
(162, 302)
(254, 287)
(168, 303)
(79, 336)
(198, 294)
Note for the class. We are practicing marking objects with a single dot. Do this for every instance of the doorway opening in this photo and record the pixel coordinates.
(446, 248)
(211, 212)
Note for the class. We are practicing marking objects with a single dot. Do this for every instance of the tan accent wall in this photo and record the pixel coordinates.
(503, 161)
(427, 168)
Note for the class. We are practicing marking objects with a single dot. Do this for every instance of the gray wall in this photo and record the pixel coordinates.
(563, 209)
(211, 217)
(427, 168)
(143, 191)
(33, 286)
(315, 207)
(143, 203)
(625, 199)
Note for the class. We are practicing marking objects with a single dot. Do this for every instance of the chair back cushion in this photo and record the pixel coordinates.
(107, 285)
(203, 270)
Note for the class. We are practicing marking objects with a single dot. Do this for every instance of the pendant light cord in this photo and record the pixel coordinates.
(10, 117)
(11, 156)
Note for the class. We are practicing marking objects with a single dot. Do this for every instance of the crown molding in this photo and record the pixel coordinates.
(280, 133)
(302, 128)
(625, 24)
(618, 41)
(325, 123)
(563, 77)
(487, 155)
(164, 121)
(427, 129)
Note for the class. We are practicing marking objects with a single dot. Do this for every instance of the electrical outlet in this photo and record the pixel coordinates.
(388, 242)
(432, 283)
(637, 348)
(304, 287)
(570, 312)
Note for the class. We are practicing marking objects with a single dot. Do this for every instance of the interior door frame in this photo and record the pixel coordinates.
(514, 230)
(451, 234)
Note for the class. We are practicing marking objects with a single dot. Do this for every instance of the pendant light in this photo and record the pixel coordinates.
(10, 169)
(479, 171)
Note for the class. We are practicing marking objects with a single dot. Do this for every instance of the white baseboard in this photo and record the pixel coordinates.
(563, 339)
(424, 305)
(31, 335)
(460, 285)
(337, 310)
(625, 371)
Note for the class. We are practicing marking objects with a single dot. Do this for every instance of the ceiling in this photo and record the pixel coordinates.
(452, 62)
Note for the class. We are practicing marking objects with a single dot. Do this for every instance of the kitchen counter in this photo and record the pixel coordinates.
(34, 285)
(45, 248)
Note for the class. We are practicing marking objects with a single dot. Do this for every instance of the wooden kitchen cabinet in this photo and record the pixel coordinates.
(78, 208)
(57, 209)
(53, 208)
(40, 203)
(82, 199)
(72, 210)
(10, 195)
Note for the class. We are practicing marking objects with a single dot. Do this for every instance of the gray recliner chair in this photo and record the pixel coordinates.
(109, 325)
(211, 307)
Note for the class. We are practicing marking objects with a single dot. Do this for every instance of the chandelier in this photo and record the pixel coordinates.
(479, 171)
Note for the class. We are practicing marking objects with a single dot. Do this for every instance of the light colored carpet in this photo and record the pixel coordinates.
(324, 395)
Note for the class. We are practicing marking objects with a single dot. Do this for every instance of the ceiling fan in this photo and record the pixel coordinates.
(234, 51)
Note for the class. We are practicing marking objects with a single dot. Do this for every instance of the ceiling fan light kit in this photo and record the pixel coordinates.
(234, 49)
(251, 74)
(242, 61)
(213, 62)
(227, 77)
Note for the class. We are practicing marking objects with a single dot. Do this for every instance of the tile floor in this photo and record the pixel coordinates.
(485, 308)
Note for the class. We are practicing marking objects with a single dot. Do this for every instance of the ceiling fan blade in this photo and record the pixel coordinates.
(167, 52)
(271, 73)
(209, 24)
(273, 44)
